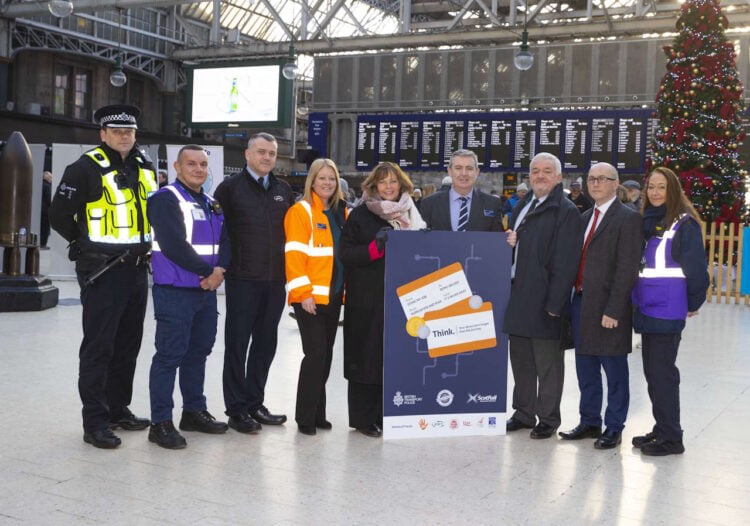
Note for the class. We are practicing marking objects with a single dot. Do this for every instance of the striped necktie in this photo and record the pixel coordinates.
(463, 215)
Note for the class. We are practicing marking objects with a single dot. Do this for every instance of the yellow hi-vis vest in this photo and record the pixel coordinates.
(113, 218)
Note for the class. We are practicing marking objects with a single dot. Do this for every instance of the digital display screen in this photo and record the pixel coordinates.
(602, 140)
(576, 132)
(630, 143)
(387, 141)
(409, 144)
(550, 136)
(525, 145)
(501, 146)
(235, 95)
(454, 139)
(365, 154)
(504, 141)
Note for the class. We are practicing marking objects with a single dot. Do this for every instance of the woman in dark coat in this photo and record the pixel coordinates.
(671, 287)
(387, 205)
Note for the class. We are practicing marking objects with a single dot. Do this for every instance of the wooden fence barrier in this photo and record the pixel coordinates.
(724, 248)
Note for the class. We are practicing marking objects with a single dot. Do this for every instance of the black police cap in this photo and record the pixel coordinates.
(117, 116)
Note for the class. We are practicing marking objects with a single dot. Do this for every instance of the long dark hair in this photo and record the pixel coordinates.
(676, 203)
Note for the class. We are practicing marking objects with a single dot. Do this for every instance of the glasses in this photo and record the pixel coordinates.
(600, 180)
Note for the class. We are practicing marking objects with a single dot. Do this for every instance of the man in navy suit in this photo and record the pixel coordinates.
(463, 208)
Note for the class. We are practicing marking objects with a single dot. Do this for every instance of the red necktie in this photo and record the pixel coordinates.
(579, 277)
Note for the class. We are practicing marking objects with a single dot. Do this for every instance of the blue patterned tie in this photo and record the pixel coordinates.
(463, 215)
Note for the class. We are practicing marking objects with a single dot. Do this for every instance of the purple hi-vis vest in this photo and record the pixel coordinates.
(661, 289)
(202, 232)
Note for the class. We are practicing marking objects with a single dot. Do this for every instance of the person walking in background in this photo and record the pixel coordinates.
(579, 199)
(387, 205)
(315, 284)
(671, 287)
(44, 228)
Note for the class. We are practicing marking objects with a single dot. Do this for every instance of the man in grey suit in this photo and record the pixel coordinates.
(601, 310)
(462, 207)
(546, 232)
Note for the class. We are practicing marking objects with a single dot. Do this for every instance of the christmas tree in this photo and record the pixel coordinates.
(699, 109)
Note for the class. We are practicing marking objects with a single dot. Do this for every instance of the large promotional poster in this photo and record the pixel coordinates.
(445, 355)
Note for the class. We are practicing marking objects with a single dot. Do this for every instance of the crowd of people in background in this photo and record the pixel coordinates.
(599, 261)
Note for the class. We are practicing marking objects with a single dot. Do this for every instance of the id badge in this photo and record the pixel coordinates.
(199, 214)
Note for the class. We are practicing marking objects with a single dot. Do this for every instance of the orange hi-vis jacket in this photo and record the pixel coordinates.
(309, 252)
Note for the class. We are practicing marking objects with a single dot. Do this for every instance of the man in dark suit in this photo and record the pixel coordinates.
(546, 233)
(601, 310)
(463, 207)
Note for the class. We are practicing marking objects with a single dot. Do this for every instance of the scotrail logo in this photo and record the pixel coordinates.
(478, 398)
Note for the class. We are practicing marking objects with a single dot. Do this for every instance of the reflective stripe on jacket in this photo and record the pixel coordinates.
(661, 290)
(201, 232)
(113, 218)
(308, 252)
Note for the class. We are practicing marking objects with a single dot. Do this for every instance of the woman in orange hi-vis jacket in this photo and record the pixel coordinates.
(315, 282)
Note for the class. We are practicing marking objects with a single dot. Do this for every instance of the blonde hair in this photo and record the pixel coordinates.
(428, 189)
(383, 170)
(315, 168)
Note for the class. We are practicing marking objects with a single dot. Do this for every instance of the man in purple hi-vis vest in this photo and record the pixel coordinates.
(187, 267)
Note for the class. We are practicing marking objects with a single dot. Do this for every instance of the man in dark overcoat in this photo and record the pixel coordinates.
(546, 232)
(601, 309)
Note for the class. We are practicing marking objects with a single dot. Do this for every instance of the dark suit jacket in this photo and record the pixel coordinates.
(612, 261)
(485, 214)
(548, 251)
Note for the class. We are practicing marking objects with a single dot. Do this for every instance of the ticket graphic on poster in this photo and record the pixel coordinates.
(445, 356)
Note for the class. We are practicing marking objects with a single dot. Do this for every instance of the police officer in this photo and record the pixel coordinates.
(185, 260)
(100, 209)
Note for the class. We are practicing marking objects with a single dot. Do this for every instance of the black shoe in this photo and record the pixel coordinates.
(202, 421)
(642, 439)
(102, 438)
(371, 431)
(581, 431)
(264, 416)
(608, 440)
(660, 447)
(307, 430)
(542, 430)
(165, 435)
(129, 422)
(325, 424)
(513, 424)
(244, 424)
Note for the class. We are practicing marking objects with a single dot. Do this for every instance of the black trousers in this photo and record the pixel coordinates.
(537, 360)
(663, 379)
(113, 311)
(253, 311)
(365, 404)
(318, 333)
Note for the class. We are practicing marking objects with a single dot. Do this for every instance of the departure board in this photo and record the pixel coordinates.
(525, 146)
(500, 144)
(409, 144)
(365, 154)
(576, 133)
(550, 136)
(387, 141)
(454, 139)
(476, 139)
(630, 132)
(602, 140)
(431, 144)
(505, 141)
